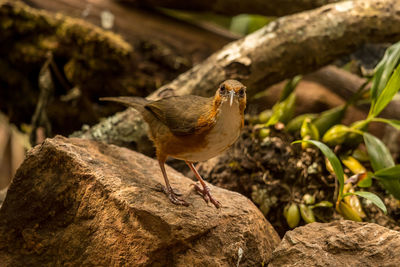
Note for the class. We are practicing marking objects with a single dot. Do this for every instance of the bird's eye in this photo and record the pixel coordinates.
(241, 92)
(222, 89)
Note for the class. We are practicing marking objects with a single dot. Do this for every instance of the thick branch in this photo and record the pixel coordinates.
(234, 7)
(341, 82)
(291, 45)
(345, 84)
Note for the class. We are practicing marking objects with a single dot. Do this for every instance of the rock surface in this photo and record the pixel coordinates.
(77, 202)
(340, 243)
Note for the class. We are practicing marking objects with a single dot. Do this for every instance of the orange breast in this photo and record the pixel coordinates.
(168, 144)
(214, 141)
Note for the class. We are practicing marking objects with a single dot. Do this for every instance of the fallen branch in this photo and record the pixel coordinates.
(346, 84)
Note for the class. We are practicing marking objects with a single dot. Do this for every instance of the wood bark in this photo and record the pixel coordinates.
(343, 83)
(234, 7)
(291, 45)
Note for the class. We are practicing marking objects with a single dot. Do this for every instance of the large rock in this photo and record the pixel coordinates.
(81, 203)
(340, 243)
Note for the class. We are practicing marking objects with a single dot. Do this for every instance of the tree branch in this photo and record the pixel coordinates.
(346, 84)
(341, 82)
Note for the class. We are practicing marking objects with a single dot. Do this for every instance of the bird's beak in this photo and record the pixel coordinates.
(231, 95)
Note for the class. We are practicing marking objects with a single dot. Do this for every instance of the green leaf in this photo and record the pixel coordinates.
(348, 212)
(240, 24)
(366, 182)
(244, 24)
(378, 153)
(394, 123)
(283, 111)
(383, 71)
(329, 118)
(257, 22)
(322, 204)
(336, 165)
(309, 130)
(391, 172)
(370, 196)
(295, 124)
(360, 155)
(380, 158)
(390, 90)
(336, 135)
(307, 213)
(289, 87)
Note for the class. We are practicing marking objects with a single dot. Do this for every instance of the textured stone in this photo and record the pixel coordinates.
(340, 243)
(82, 203)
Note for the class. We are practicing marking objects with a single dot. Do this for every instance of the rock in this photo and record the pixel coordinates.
(340, 243)
(77, 202)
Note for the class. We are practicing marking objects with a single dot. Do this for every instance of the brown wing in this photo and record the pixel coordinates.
(181, 113)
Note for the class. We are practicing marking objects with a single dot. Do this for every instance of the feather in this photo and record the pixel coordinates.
(181, 113)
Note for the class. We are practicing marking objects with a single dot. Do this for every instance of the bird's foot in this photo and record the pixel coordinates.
(174, 198)
(205, 193)
(162, 188)
(172, 194)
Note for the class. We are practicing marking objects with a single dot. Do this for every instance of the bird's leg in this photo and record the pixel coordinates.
(206, 190)
(173, 197)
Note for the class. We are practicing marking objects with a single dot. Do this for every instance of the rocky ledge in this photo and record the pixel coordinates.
(339, 243)
(82, 203)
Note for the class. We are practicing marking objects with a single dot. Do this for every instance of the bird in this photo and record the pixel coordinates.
(192, 128)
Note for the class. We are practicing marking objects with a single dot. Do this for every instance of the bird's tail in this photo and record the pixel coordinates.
(137, 103)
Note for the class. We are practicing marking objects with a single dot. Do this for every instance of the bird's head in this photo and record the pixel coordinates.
(231, 92)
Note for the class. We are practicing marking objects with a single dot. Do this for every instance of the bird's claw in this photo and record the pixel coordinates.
(202, 193)
(173, 195)
(205, 193)
(162, 188)
(176, 200)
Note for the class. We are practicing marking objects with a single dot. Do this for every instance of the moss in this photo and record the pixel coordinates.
(93, 60)
(92, 37)
(65, 36)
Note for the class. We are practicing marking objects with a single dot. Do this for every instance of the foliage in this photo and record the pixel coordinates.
(383, 164)
(241, 25)
(338, 170)
(284, 109)
(382, 73)
(244, 24)
(385, 85)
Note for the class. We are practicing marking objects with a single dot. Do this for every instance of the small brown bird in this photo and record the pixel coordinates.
(192, 128)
